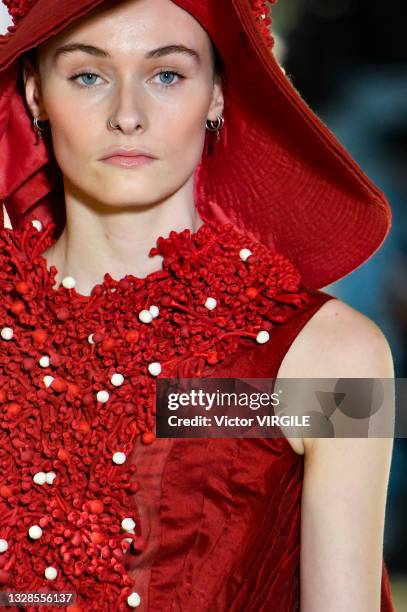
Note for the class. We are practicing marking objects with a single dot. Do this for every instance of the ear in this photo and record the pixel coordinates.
(32, 86)
(217, 102)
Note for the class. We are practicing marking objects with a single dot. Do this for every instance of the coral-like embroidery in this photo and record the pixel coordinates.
(76, 393)
(19, 8)
(261, 12)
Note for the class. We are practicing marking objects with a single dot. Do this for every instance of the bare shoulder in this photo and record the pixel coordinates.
(338, 341)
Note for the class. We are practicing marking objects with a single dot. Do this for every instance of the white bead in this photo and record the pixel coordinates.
(155, 311)
(7, 333)
(210, 303)
(128, 524)
(3, 545)
(35, 532)
(90, 339)
(50, 476)
(44, 361)
(117, 379)
(128, 540)
(134, 600)
(245, 254)
(40, 478)
(68, 282)
(48, 380)
(37, 224)
(50, 573)
(154, 368)
(119, 458)
(262, 337)
(102, 396)
(145, 316)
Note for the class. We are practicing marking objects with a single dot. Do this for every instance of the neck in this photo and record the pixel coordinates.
(117, 241)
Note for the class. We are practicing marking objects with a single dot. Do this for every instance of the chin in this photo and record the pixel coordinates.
(125, 197)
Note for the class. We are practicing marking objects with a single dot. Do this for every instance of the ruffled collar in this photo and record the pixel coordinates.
(181, 251)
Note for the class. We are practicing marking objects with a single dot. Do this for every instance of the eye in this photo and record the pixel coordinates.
(88, 79)
(168, 77)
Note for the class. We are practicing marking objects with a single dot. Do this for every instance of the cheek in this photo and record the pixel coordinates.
(71, 121)
(72, 130)
(182, 128)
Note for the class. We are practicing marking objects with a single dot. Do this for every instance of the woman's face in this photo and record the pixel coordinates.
(104, 67)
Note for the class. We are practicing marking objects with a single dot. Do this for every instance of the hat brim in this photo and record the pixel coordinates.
(277, 170)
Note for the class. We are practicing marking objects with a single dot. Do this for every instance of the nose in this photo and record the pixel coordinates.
(126, 112)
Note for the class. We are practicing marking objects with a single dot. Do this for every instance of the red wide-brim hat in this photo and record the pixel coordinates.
(276, 171)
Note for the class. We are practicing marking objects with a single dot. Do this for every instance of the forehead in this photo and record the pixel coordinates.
(134, 24)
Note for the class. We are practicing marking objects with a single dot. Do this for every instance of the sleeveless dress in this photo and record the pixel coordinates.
(92, 502)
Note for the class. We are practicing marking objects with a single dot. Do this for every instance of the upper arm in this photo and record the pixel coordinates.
(345, 479)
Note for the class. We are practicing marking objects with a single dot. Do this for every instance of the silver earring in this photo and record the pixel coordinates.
(39, 130)
(215, 125)
(111, 125)
(37, 125)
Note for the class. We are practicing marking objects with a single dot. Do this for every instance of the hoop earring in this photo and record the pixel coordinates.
(215, 125)
(111, 125)
(39, 130)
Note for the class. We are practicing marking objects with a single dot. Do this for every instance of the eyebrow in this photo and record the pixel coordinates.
(97, 52)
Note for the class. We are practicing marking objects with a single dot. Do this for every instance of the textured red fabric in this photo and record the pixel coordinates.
(217, 521)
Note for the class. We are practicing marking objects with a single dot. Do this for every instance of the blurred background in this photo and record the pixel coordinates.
(348, 59)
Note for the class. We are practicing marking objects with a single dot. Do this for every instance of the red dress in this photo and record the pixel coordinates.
(91, 502)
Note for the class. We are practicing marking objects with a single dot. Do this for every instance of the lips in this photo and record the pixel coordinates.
(128, 153)
(128, 158)
(128, 162)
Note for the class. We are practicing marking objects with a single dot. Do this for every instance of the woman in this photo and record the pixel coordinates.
(251, 216)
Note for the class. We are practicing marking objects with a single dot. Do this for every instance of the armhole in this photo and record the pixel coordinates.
(285, 335)
(284, 338)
